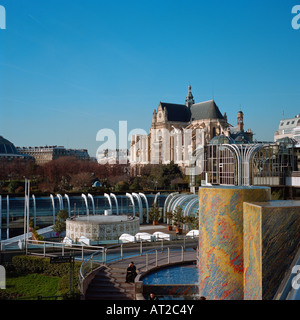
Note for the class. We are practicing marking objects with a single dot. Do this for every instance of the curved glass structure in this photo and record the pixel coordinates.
(9, 151)
(43, 210)
(188, 202)
(221, 139)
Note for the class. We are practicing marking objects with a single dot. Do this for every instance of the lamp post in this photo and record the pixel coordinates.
(26, 208)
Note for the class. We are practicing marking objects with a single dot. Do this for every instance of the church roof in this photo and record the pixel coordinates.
(205, 110)
(198, 111)
(176, 112)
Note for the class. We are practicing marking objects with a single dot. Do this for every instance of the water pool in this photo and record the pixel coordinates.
(186, 274)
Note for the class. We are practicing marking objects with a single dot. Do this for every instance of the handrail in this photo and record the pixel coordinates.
(88, 259)
(137, 252)
(156, 256)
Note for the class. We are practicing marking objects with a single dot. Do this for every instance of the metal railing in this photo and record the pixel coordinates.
(122, 251)
(93, 257)
(49, 249)
(147, 264)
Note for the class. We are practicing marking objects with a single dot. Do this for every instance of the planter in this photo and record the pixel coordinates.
(179, 230)
(169, 228)
(155, 223)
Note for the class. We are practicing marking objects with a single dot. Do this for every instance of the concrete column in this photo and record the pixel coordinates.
(221, 239)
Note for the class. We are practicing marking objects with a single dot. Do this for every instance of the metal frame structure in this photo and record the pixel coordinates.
(109, 200)
(116, 201)
(248, 164)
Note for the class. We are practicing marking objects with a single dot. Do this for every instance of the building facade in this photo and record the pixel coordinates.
(289, 132)
(45, 154)
(177, 130)
(289, 128)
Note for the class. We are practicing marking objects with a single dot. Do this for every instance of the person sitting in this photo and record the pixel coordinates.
(153, 296)
(131, 273)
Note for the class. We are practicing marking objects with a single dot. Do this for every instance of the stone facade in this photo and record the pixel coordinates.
(177, 130)
(101, 228)
(45, 154)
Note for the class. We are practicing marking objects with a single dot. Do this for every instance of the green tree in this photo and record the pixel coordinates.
(169, 216)
(12, 186)
(178, 217)
(136, 185)
(60, 222)
(122, 186)
(164, 174)
(154, 213)
(193, 222)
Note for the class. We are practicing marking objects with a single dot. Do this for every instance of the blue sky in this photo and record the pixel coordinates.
(71, 68)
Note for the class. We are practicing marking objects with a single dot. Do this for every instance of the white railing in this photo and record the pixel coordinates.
(147, 264)
(121, 251)
(49, 248)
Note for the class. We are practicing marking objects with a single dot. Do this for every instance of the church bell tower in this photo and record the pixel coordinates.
(189, 98)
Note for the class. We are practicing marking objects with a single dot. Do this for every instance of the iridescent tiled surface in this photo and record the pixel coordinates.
(271, 240)
(221, 239)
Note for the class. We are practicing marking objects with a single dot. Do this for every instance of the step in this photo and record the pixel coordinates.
(112, 298)
(108, 296)
(104, 283)
(100, 278)
(104, 273)
(105, 290)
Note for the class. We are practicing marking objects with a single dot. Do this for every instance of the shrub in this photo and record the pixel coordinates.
(12, 186)
(27, 265)
(122, 186)
(60, 222)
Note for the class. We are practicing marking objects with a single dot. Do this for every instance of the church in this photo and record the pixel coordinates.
(177, 130)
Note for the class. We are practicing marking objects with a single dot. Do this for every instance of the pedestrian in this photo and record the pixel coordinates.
(153, 296)
(131, 273)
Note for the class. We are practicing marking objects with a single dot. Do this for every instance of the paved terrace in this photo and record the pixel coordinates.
(109, 282)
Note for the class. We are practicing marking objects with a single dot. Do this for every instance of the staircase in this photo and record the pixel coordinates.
(109, 284)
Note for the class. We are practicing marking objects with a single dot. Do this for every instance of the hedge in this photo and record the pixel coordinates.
(29, 264)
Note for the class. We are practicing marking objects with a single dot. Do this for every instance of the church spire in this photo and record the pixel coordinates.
(189, 98)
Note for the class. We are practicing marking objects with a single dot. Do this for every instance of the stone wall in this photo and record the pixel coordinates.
(101, 231)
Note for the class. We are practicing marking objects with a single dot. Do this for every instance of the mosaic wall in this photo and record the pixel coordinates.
(170, 290)
(221, 239)
(271, 240)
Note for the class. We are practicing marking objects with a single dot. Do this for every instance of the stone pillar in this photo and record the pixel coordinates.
(221, 239)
